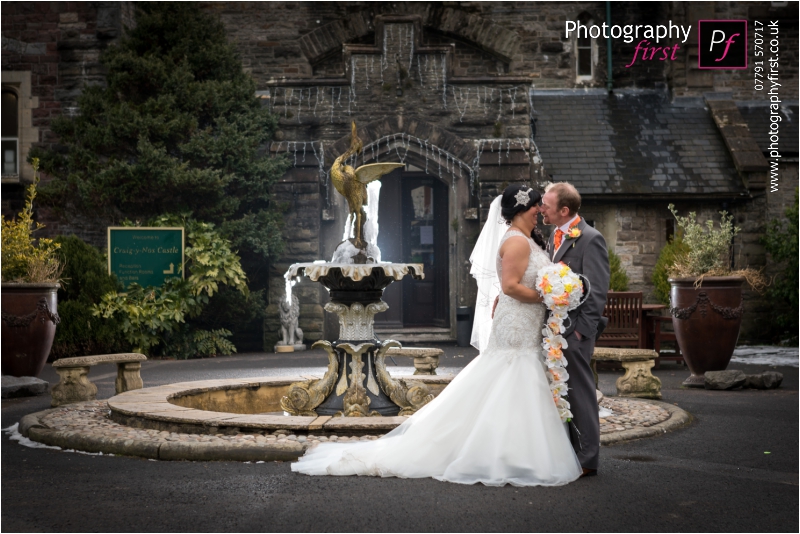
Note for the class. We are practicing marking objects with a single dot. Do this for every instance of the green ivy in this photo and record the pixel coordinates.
(781, 243)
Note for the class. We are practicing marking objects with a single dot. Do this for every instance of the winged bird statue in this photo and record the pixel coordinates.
(352, 183)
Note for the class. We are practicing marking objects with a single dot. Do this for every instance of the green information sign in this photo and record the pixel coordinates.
(147, 256)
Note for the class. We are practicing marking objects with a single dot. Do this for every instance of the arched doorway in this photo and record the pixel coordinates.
(414, 212)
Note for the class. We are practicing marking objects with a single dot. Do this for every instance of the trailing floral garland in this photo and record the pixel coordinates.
(562, 290)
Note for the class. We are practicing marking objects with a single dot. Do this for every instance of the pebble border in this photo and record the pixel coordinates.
(87, 427)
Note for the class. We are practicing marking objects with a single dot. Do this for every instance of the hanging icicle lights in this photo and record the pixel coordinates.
(395, 147)
(340, 103)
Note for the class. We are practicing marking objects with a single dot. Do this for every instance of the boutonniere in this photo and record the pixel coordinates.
(573, 233)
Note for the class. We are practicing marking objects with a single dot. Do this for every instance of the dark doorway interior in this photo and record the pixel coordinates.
(413, 229)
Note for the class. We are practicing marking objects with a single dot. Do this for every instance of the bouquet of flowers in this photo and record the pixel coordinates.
(562, 291)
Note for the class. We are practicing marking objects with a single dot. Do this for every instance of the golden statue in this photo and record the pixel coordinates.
(352, 183)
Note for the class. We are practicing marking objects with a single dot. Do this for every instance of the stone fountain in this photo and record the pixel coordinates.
(356, 383)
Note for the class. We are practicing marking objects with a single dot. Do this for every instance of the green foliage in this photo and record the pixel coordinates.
(153, 319)
(176, 129)
(24, 259)
(619, 277)
(781, 242)
(201, 343)
(709, 248)
(84, 281)
(674, 252)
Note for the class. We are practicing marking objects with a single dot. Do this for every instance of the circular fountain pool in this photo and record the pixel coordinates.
(231, 406)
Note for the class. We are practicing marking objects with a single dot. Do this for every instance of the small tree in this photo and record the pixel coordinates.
(674, 252)
(619, 277)
(781, 243)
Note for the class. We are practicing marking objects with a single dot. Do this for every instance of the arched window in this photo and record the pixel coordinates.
(10, 133)
(585, 50)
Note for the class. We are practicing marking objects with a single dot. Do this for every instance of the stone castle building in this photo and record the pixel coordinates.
(470, 96)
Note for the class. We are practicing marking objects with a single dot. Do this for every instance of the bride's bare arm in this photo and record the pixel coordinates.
(514, 254)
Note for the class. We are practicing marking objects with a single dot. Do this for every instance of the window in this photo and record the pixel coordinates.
(10, 133)
(585, 50)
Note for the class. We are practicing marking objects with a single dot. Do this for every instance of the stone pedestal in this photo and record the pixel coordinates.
(128, 377)
(638, 381)
(74, 386)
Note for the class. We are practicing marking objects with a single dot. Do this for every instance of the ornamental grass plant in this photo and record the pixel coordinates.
(26, 259)
(707, 250)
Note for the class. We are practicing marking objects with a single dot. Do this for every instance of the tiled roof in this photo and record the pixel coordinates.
(757, 118)
(632, 142)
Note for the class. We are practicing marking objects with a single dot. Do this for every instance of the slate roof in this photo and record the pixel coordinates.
(756, 115)
(632, 143)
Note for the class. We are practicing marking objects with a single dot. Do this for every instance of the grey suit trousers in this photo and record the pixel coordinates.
(584, 430)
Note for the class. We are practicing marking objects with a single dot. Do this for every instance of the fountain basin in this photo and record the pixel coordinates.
(232, 406)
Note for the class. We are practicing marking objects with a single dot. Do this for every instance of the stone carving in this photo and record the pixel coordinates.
(42, 311)
(638, 381)
(291, 334)
(356, 320)
(74, 386)
(409, 395)
(304, 397)
(356, 402)
(703, 302)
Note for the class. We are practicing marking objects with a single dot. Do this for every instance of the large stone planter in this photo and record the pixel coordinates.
(706, 321)
(30, 316)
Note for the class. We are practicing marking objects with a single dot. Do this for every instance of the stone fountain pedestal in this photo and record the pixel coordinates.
(357, 383)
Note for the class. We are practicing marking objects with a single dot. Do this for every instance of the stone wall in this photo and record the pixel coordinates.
(59, 43)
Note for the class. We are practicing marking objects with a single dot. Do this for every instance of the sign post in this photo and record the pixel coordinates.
(147, 256)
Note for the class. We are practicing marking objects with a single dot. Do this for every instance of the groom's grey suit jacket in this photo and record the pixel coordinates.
(586, 255)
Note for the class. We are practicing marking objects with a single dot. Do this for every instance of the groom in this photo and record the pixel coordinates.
(583, 248)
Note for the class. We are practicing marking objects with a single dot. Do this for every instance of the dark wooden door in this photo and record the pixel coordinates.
(413, 219)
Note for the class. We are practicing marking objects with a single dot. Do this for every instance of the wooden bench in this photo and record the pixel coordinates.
(75, 385)
(624, 312)
(426, 360)
(660, 335)
(638, 381)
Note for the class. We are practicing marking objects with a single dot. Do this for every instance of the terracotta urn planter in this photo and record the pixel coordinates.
(30, 316)
(706, 321)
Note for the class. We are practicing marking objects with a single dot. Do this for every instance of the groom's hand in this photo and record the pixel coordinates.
(578, 335)
(494, 306)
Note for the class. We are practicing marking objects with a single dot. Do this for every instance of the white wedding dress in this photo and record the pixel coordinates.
(495, 423)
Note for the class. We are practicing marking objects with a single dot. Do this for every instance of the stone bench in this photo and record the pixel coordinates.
(426, 360)
(638, 381)
(75, 385)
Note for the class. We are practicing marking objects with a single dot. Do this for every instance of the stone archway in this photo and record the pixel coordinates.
(442, 163)
(473, 28)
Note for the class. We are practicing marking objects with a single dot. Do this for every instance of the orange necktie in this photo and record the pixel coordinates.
(560, 234)
(557, 238)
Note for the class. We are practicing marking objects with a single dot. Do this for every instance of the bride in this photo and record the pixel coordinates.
(496, 422)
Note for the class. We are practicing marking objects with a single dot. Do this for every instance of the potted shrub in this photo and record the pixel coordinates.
(706, 295)
(30, 276)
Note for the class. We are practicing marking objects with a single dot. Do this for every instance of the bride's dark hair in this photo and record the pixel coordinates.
(509, 207)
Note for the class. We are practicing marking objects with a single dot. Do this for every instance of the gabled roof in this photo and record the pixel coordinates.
(632, 143)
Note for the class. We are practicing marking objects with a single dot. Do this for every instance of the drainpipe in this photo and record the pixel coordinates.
(610, 76)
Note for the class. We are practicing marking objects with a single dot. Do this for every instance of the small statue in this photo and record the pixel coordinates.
(352, 183)
(291, 334)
